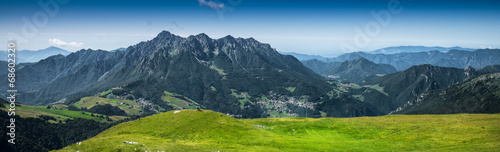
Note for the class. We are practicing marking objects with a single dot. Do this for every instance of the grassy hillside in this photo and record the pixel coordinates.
(192, 130)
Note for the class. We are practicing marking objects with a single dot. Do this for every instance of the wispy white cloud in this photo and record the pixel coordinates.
(211, 4)
(59, 42)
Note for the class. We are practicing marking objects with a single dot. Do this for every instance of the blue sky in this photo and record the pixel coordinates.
(324, 27)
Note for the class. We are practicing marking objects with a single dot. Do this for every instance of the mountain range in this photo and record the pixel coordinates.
(24, 56)
(404, 85)
(477, 94)
(386, 50)
(453, 58)
(408, 49)
(240, 77)
(401, 87)
(383, 90)
(229, 74)
(403, 57)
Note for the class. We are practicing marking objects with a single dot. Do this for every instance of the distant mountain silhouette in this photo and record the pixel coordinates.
(453, 58)
(358, 70)
(24, 56)
(408, 49)
(303, 57)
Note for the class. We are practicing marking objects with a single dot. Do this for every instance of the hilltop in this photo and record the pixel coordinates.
(190, 130)
(359, 70)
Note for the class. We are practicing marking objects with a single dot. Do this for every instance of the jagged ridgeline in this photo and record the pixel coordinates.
(231, 75)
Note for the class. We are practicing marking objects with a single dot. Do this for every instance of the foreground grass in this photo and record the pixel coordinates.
(462, 132)
(191, 130)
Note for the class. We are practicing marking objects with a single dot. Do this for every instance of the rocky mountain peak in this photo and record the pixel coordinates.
(202, 36)
(166, 36)
(228, 39)
(362, 60)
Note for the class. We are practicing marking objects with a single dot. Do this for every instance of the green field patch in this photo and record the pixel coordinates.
(379, 88)
(359, 97)
(291, 89)
(264, 98)
(244, 97)
(331, 82)
(220, 71)
(106, 92)
(323, 114)
(240, 95)
(354, 86)
(330, 94)
(129, 106)
(170, 93)
(59, 106)
(243, 101)
(178, 101)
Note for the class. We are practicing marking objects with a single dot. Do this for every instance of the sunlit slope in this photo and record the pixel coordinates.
(192, 130)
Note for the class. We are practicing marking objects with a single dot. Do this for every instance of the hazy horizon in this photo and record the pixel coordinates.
(308, 27)
(282, 52)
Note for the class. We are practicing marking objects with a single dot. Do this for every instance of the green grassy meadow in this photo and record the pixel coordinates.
(192, 130)
(35, 111)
